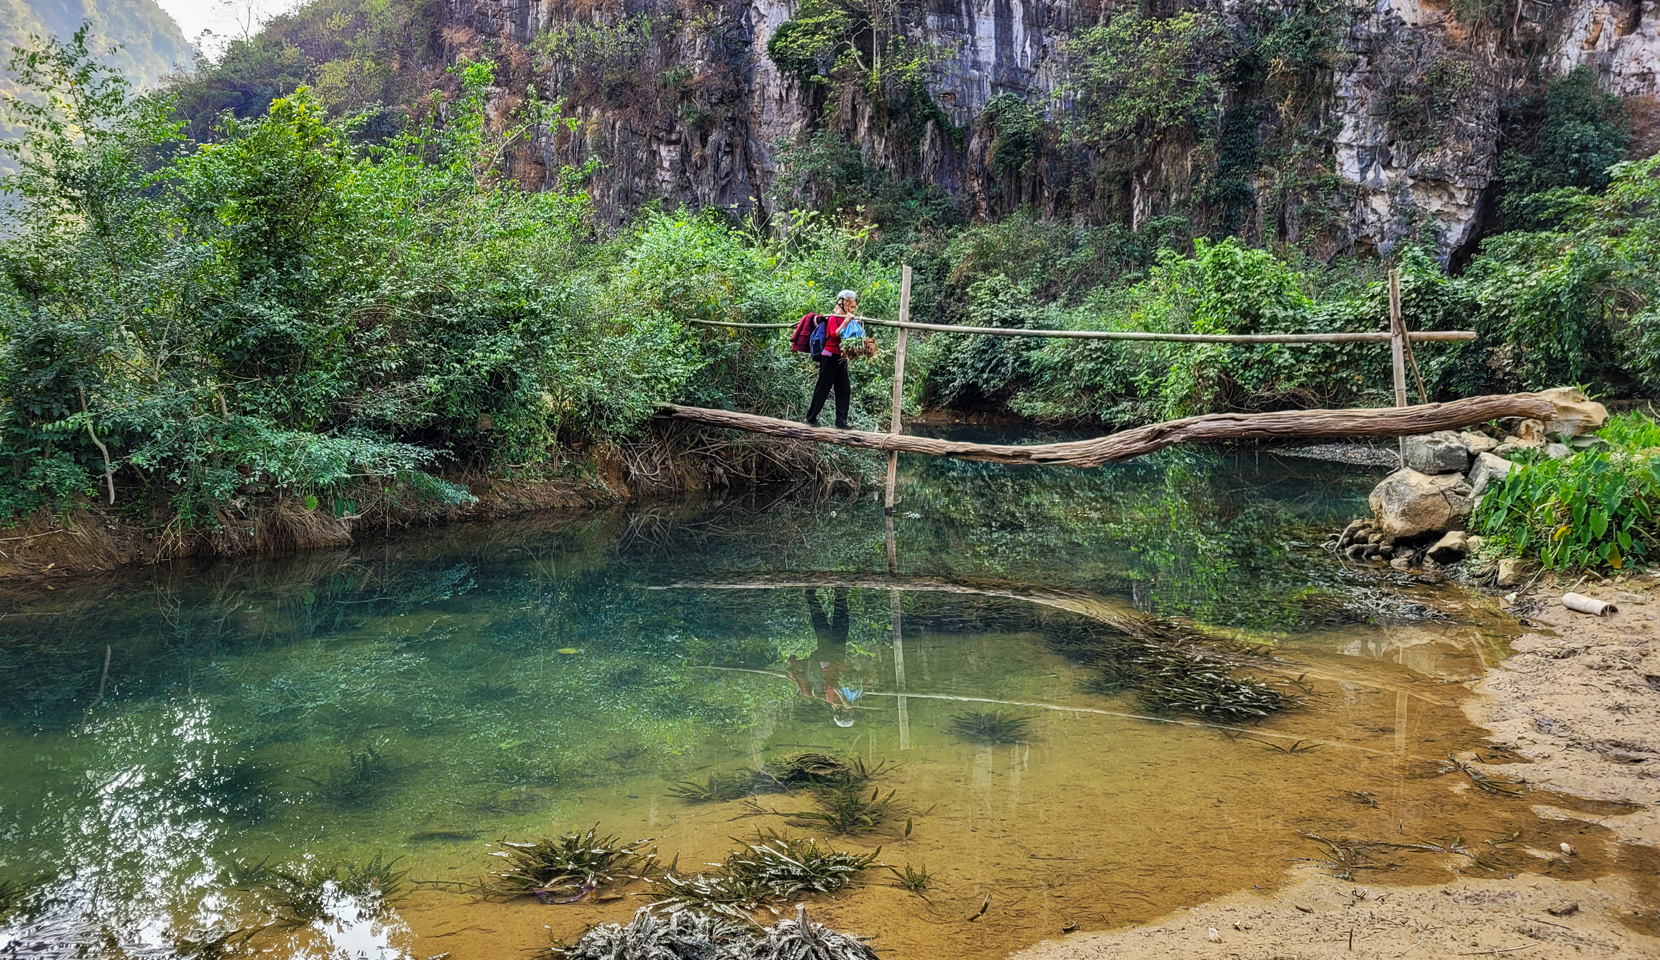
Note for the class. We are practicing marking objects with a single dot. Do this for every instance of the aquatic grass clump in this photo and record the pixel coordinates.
(1113, 676)
(807, 769)
(800, 770)
(721, 787)
(911, 878)
(771, 869)
(363, 777)
(683, 935)
(844, 809)
(569, 868)
(787, 868)
(1213, 694)
(801, 939)
(310, 892)
(691, 935)
(1172, 667)
(991, 726)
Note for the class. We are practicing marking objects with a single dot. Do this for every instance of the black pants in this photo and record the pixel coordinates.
(832, 372)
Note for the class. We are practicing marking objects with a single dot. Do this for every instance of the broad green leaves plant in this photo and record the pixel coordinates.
(1596, 508)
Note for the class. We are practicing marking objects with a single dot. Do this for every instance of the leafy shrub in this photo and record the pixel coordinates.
(1569, 136)
(1137, 79)
(1598, 507)
(1017, 132)
(1575, 304)
(809, 45)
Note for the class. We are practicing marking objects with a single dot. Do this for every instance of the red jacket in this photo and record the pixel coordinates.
(833, 334)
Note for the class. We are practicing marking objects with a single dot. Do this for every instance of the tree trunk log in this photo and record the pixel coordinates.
(1129, 444)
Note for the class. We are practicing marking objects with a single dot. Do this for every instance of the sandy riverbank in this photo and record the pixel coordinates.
(1580, 700)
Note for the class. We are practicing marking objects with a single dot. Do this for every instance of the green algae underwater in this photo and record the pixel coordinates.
(1078, 699)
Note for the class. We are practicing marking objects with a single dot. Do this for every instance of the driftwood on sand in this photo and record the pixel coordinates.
(1128, 444)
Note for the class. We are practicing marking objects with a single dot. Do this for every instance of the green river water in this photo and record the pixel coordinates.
(164, 731)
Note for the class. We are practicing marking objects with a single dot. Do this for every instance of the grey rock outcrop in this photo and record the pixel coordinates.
(1486, 469)
(1451, 548)
(1414, 105)
(1478, 443)
(1408, 503)
(1436, 453)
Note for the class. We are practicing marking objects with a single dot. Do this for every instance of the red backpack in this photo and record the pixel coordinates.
(801, 337)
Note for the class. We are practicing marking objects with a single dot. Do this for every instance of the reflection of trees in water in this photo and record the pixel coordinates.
(1187, 532)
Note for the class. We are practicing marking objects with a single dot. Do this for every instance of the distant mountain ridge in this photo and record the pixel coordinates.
(136, 37)
(151, 43)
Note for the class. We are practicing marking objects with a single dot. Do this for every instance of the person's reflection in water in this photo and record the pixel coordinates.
(825, 674)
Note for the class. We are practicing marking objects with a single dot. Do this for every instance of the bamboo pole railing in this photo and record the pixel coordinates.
(1128, 444)
(1377, 336)
(1401, 422)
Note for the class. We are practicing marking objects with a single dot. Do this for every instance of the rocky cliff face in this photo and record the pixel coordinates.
(680, 102)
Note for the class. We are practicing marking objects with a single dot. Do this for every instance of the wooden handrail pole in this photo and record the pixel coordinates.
(898, 392)
(1397, 345)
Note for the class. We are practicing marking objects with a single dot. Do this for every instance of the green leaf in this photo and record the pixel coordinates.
(311, 502)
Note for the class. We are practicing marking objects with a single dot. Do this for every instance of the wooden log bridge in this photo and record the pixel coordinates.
(1401, 421)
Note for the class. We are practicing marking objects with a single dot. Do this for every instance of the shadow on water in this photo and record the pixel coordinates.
(1089, 695)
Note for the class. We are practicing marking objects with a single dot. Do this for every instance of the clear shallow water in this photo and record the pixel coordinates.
(428, 696)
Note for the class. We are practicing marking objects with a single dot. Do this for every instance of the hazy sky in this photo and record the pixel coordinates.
(226, 19)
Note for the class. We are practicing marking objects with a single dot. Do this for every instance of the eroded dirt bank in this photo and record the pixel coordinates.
(1580, 700)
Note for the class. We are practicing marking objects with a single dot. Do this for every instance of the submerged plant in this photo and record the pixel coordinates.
(1172, 667)
(722, 787)
(310, 892)
(790, 939)
(691, 935)
(568, 868)
(911, 878)
(1212, 693)
(845, 809)
(363, 776)
(771, 869)
(682, 935)
(788, 868)
(1112, 676)
(716, 893)
(803, 769)
(994, 726)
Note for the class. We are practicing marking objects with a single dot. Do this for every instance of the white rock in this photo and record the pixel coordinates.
(1477, 443)
(1451, 548)
(1408, 503)
(1486, 469)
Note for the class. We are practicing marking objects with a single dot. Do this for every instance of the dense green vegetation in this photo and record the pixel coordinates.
(1599, 507)
(355, 308)
(289, 309)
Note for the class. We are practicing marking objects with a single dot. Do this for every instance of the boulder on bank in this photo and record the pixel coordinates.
(1576, 413)
(1478, 443)
(1486, 469)
(1451, 548)
(1409, 503)
(1436, 453)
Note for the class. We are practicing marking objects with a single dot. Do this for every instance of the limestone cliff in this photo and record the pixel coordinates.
(1398, 137)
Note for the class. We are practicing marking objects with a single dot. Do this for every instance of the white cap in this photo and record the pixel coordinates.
(848, 295)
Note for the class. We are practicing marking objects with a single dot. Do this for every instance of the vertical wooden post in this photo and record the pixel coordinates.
(1397, 345)
(898, 383)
